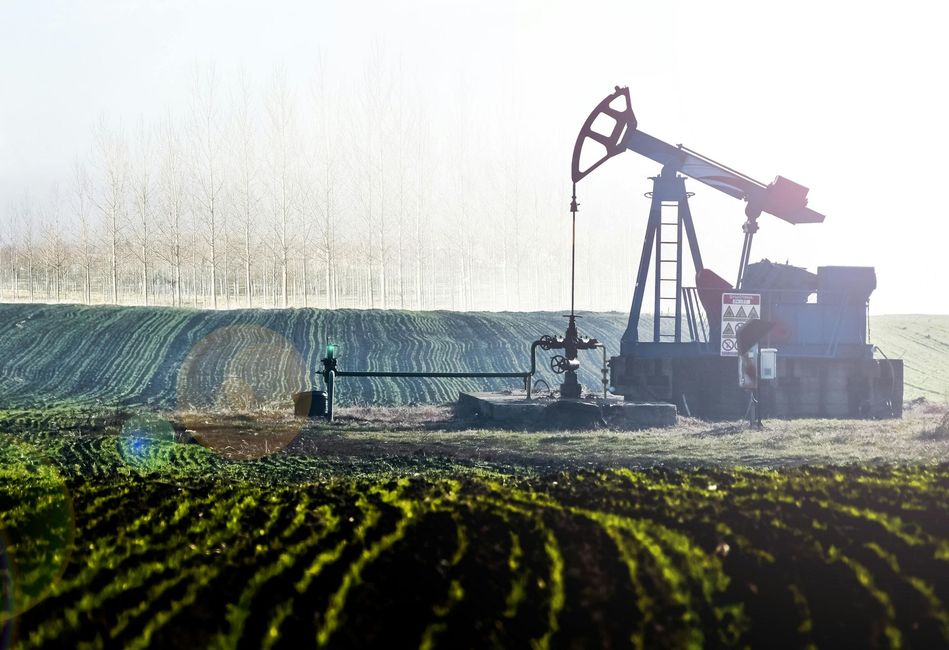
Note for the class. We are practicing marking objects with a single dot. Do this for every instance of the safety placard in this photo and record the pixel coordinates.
(737, 309)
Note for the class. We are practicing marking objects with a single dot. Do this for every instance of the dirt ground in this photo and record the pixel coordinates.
(363, 433)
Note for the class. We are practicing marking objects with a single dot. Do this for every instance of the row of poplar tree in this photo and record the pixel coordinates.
(296, 195)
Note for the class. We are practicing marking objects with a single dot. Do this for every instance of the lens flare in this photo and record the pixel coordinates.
(143, 441)
(236, 370)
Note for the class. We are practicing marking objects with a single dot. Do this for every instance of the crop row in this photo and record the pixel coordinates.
(275, 553)
(176, 358)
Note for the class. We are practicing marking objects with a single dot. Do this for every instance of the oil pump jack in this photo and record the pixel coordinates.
(826, 365)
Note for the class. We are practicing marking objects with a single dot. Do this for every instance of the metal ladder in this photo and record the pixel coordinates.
(668, 272)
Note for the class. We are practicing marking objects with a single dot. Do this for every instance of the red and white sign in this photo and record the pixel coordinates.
(737, 309)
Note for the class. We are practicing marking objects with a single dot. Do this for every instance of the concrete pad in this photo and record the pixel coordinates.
(515, 410)
(639, 415)
(501, 408)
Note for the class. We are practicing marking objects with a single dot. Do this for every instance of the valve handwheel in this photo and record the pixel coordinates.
(558, 364)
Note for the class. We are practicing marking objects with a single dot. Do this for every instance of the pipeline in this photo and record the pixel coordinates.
(330, 373)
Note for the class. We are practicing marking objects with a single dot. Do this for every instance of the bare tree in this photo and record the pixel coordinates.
(143, 205)
(194, 248)
(209, 170)
(225, 256)
(54, 248)
(422, 228)
(306, 234)
(112, 202)
(6, 246)
(371, 207)
(325, 172)
(366, 196)
(247, 192)
(376, 80)
(370, 140)
(283, 178)
(461, 190)
(28, 217)
(14, 256)
(82, 208)
(173, 197)
(516, 221)
(400, 126)
(9, 259)
(21, 243)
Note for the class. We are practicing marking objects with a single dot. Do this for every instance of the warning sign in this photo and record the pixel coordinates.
(737, 309)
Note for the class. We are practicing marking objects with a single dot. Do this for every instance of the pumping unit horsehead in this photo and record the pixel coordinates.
(811, 327)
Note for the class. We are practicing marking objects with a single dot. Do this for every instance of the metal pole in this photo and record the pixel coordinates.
(750, 227)
(631, 335)
(759, 385)
(657, 276)
(455, 375)
(573, 245)
(330, 390)
(678, 321)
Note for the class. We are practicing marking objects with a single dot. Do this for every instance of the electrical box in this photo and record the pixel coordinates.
(768, 364)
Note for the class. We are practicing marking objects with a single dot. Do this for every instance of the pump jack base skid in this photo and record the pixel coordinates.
(805, 387)
(517, 412)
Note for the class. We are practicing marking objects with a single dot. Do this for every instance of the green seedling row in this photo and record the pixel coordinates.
(300, 552)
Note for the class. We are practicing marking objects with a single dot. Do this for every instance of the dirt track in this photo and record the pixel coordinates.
(379, 433)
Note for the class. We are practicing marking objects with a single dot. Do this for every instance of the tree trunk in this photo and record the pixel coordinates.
(305, 296)
(114, 259)
(177, 257)
(431, 269)
(328, 283)
(273, 282)
(227, 291)
(145, 272)
(213, 256)
(194, 275)
(247, 264)
(86, 288)
(283, 277)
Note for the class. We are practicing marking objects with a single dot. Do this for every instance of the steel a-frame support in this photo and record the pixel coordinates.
(668, 190)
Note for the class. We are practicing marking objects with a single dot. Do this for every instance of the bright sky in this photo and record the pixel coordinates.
(847, 98)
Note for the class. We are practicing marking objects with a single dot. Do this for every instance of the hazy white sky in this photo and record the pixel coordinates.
(847, 98)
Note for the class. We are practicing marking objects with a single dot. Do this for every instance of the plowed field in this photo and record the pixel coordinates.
(178, 358)
(138, 542)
